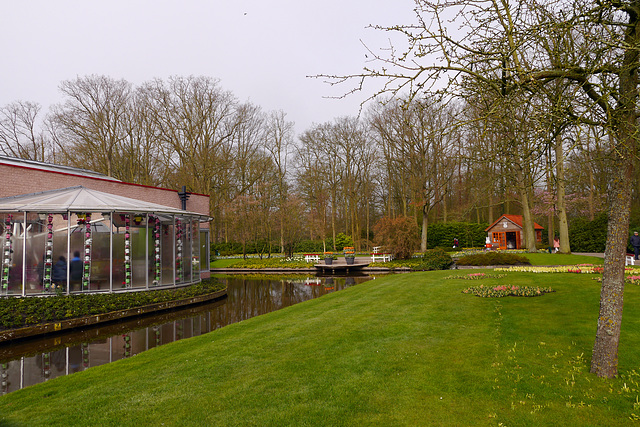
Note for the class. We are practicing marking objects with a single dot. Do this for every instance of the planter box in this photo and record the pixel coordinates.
(328, 261)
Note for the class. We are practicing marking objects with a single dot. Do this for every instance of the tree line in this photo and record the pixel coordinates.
(415, 157)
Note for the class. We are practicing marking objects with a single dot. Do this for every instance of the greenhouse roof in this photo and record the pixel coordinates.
(82, 199)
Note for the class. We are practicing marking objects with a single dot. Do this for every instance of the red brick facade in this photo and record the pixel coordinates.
(17, 180)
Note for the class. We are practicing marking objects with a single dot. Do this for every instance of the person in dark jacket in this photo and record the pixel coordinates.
(75, 269)
(635, 242)
(59, 274)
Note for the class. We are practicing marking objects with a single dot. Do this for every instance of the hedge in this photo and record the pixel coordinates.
(493, 258)
(16, 312)
(469, 234)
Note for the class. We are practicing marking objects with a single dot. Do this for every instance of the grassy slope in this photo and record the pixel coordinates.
(404, 349)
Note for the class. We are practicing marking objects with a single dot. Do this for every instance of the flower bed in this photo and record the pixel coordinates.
(580, 268)
(506, 290)
(477, 276)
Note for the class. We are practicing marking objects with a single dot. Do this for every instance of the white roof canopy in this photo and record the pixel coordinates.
(82, 199)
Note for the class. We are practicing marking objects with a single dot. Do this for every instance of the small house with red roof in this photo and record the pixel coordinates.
(506, 232)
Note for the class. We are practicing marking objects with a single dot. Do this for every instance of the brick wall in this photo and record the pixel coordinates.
(17, 180)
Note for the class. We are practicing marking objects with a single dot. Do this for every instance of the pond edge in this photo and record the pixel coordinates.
(94, 319)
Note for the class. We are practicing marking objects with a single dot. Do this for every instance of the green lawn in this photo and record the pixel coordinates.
(407, 349)
(224, 263)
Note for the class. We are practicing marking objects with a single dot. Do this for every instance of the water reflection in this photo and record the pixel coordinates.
(33, 361)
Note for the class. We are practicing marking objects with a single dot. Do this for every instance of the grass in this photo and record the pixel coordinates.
(406, 349)
(224, 263)
(257, 263)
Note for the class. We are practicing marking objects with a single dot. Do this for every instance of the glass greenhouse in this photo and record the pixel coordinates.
(75, 240)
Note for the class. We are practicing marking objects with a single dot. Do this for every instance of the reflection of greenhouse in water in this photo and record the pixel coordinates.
(29, 370)
(75, 240)
(34, 361)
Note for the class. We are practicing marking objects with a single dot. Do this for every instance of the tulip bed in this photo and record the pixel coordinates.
(477, 276)
(506, 290)
(580, 269)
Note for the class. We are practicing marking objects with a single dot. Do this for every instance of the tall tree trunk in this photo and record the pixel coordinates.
(490, 214)
(592, 189)
(281, 235)
(604, 361)
(425, 223)
(527, 220)
(444, 206)
(563, 225)
(367, 224)
(550, 215)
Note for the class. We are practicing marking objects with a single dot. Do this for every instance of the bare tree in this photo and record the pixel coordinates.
(92, 121)
(415, 134)
(19, 132)
(278, 142)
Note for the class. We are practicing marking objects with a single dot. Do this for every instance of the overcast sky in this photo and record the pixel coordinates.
(260, 50)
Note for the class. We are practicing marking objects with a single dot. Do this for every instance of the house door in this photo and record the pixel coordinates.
(513, 241)
(501, 239)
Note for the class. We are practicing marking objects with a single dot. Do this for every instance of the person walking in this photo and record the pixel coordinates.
(556, 244)
(635, 242)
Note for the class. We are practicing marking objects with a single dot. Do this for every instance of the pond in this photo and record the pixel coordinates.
(36, 360)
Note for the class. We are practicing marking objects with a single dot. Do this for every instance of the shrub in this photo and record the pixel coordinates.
(589, 236)
(401, 236)
(435, 259)
(342, 240)
(493, 258)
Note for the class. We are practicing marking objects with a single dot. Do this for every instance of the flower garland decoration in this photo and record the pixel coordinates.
(86, 270)
(6, 252)
(179, 261)
(4, 376)
(46, 365)
(85, 354)
(195, 255)
(48, 255)
(179, 328)
(156, 333)
(126, 283)
(127, 345)
(157, 271)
